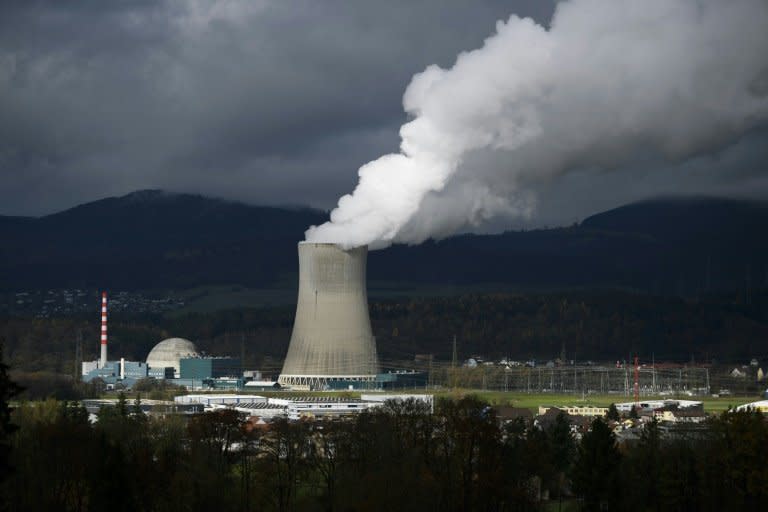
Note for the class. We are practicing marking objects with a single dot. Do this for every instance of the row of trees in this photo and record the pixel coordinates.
(400, 457)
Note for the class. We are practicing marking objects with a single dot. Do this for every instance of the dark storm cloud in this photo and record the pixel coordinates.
(264, 101)
(274, 102)
(738, 171)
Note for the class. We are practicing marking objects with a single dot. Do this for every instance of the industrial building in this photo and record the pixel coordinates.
(760, 405)
(111, 372)
(148, 407)
(169, 352)
(652, 405)
(125, 372)
(210, 367)
(576, 410)
(160, 373)
(163, 362)
(213, 399)
(332, 343)
(172, 358)
(297, 407)
(262, 385)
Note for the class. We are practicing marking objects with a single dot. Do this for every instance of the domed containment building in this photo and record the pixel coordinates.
(167, 354)
(332, 340)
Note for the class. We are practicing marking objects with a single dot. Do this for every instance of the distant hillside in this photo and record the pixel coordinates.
(154, 239)
(151, 239)
(680, 246)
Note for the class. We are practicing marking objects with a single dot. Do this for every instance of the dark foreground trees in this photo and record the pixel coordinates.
(596, 474)
(400, 457)
(8, 390)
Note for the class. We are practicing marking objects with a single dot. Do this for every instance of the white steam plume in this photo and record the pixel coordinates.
(609, 79)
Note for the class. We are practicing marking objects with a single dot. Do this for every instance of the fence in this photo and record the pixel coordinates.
(574, 379)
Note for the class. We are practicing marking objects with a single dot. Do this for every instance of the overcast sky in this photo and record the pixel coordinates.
(267, 102)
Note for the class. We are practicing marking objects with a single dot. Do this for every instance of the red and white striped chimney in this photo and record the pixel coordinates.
(103, 329)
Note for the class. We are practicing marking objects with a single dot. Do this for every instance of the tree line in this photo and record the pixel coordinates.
(398, 457)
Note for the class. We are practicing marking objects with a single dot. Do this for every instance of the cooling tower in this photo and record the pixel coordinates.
(332, 339)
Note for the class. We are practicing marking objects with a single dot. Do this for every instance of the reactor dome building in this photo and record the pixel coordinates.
(168, 353)
(332, 340)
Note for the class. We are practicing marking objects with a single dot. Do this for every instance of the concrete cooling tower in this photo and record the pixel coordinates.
(332, 338)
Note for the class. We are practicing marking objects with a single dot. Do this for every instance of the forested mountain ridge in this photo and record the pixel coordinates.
(156, 239)
(150, 239)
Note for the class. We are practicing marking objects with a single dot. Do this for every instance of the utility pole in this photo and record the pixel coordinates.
(242, 350)
(453, 363)
(637, 381)
(626, 378)
(575, 385)
(707, 375)
(78, 354)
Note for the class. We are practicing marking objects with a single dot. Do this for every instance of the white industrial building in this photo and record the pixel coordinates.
(658, 404)
(576, 410)
(296, 407)
(760, 405)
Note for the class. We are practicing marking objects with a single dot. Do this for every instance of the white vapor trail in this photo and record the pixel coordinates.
(608, 80)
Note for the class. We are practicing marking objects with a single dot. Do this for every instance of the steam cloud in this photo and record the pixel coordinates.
(610, 79)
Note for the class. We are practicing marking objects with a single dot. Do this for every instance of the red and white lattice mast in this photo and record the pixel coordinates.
(103, 361)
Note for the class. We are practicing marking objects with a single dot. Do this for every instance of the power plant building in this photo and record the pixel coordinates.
(332, 340)
(112, 372)
(169, 352)
(297, 407)
(133, 370)
(210, 367)
(161, 373)
(172, 358)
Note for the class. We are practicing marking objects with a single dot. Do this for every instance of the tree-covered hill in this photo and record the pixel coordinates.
(154, 239)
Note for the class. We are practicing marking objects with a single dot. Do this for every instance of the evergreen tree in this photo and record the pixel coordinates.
(563, 449)
(595, 475)
(122, 405)
(645, 461)
(613, 413)
(137, 406)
